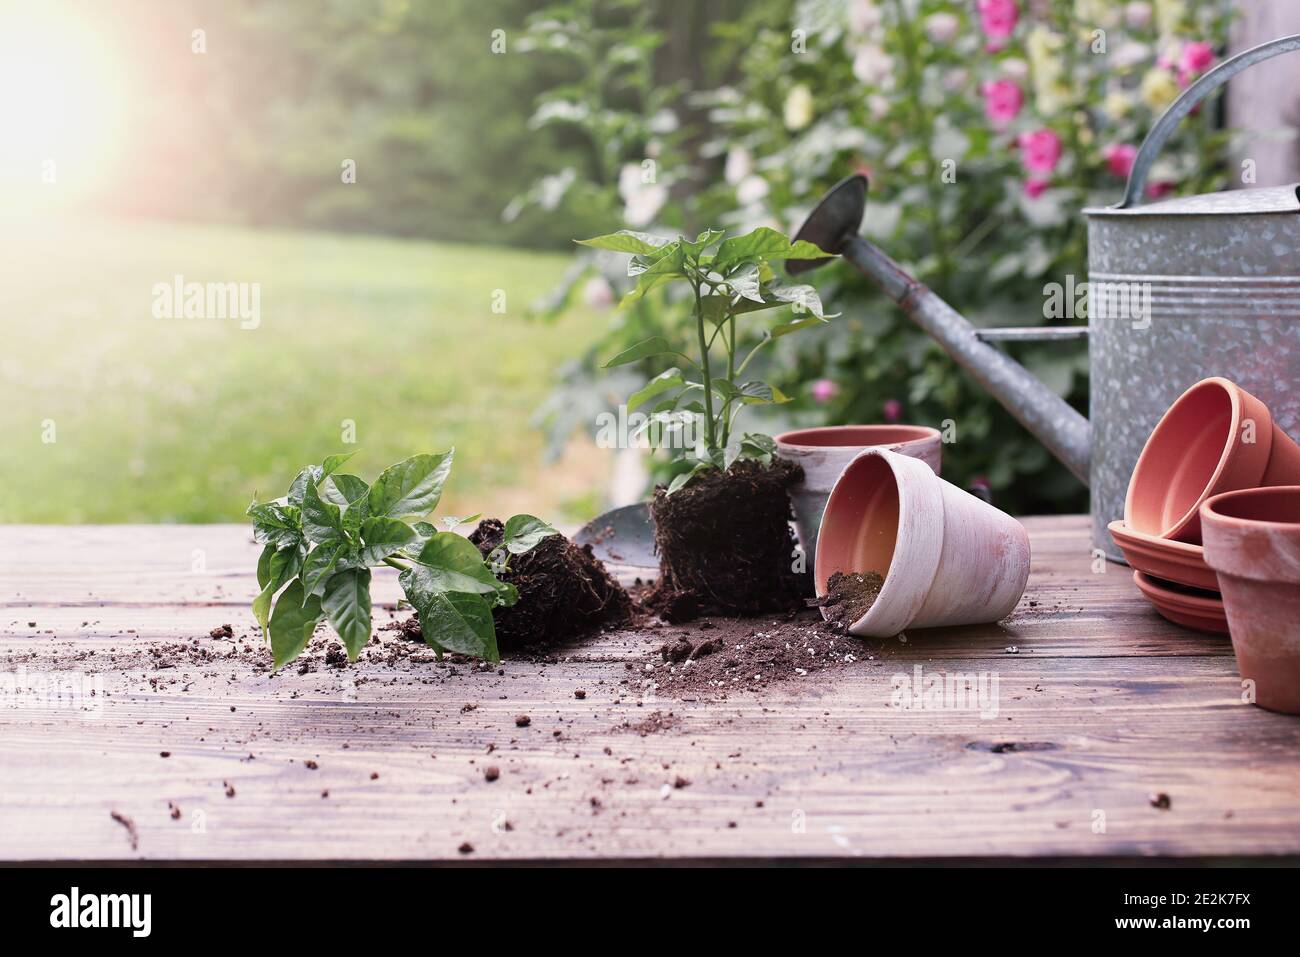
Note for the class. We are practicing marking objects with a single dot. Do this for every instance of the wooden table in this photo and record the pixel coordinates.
(180, 746)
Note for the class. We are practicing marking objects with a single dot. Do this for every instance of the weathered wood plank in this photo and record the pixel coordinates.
(1104, 704)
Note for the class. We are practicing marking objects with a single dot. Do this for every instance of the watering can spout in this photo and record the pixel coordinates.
(834, 225)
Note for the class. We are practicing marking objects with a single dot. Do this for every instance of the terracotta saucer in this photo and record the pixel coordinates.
(1164, 558)
(1191, 608)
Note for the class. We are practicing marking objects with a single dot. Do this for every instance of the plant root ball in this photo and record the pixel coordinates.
(564, 591)
(725, 544)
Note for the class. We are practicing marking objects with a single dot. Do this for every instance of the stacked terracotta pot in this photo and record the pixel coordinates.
(1212, 529)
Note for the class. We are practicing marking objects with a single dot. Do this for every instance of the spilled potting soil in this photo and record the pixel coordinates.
(848, 597)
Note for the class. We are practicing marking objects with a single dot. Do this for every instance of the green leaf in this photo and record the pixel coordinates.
(648, 282)
(682, 479)
(450, 522)
(382, 537)
(785, 328)
(665, 381)
(282, 565)
(625, 241)
(760, 393)
(341, 489)
(347, 604)
(275, 524)
(320, 565)
(411, 487)
(451, 562)
(264, 565)
(702, 242)
(322, 521)
(803, 297)
(654, 346)
(292, 623)
(313, 474)
(524, 532)
(763, 243)
(456, 621)
(662, 262)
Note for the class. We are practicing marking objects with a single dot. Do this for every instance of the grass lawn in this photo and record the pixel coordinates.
(183, 420)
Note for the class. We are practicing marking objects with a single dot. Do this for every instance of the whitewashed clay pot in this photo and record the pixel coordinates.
(947, 557)
(824, 452)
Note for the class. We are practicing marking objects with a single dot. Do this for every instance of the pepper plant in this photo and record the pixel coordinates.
(322, 538)
(729, 278)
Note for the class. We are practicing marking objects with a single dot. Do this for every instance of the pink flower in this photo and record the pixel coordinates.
(893, 410)
(998, 18)
(1040, 150)
(1196, 57)
(1119, 158)
(1002, 101)
(1160, 188)
(1035, 187)
(823, 390)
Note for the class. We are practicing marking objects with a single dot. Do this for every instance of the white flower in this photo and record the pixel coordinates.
(1169, 15)
(942, 27)
(751, 189)
(798, 111)
(1130, 54)
(872, 65)
(864, 17)
(739, 164)
(1015, 68)
(642, 200)
(598, 293)
(1138, 15)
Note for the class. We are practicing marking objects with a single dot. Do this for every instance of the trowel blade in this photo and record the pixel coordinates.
(622, 536)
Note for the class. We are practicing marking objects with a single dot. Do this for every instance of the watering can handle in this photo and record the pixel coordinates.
(1188, 101)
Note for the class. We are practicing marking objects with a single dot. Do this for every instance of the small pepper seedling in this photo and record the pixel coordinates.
(732, 280)
(323, 537)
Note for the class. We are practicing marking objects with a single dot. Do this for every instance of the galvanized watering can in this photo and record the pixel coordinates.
(1179, 290)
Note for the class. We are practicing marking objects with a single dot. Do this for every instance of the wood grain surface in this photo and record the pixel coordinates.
(1101, 708)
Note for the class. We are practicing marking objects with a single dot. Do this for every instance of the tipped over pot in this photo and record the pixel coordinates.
(824, 452)
(945, 556)
(1252, 541)
(1216, 437)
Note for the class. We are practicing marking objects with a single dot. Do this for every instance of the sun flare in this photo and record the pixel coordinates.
(61, 108)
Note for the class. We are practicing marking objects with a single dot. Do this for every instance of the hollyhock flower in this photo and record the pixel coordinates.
(1119, 158)
(872, 65)
(1195, 59)
(1158, 89)
(998, 19)
(598, 293)
(798, 109)
(1117, 104)
(1040, 150)
(864, 17)
(751, 189)
(1170, 15)
(893, 410)
(641, 200)
(1035, 187)
(823, 390)
(740, 163)
(1015, 68)
(1002, 101)
(1138, 15)
(942, 27)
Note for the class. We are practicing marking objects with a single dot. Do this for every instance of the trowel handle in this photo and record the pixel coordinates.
(1188, 101)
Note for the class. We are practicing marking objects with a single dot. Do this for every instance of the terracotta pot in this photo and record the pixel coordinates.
(1163, 558)
(947, 557)
(1216, 437)
(824, 452)
(1252, 540)
(1192, 608)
